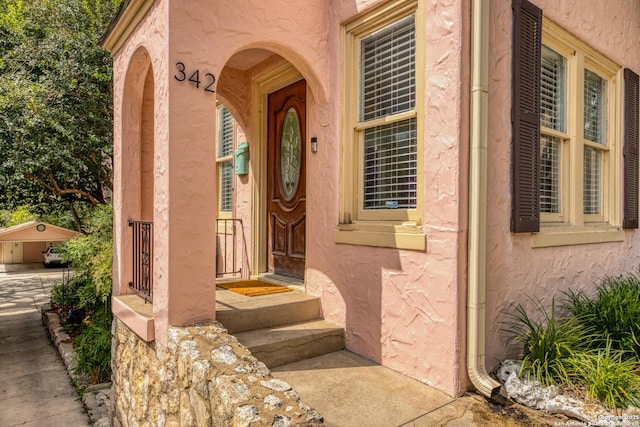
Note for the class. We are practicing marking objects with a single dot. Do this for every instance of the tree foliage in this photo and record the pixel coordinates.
(92, 257)
(55, 102)
(18, 216)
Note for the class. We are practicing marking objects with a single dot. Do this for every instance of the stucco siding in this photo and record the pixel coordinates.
(405, 309)
(400, 308)
(515, 270)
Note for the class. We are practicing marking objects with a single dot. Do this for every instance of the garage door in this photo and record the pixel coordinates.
(12, 252)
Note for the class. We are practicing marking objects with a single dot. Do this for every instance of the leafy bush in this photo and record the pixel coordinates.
(613, 314)
(607, 375)
(64, 295)
(89, 293)
(548, 343)
(92, 255)
(93, 348)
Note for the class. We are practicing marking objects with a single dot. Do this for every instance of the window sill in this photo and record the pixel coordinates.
(136, 314)
(398, 236)
(565, 236)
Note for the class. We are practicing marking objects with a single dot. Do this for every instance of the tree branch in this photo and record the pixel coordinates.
(55, 188)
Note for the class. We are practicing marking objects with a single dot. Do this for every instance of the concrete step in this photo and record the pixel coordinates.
(280, 345)
(238, 313)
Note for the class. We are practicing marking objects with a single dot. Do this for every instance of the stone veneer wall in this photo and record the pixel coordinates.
(204, 377)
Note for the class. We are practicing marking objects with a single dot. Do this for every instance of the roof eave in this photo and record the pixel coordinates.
(130, 14)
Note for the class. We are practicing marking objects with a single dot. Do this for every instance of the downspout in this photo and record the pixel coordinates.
(478, 201)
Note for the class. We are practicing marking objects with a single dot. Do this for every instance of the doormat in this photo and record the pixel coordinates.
(253, 288)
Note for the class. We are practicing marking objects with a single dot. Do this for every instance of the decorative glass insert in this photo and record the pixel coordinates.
(388, 71)
(552, 90)
(594, 107)
(549, 174)
(290, 154)
(390, 153)
(592, 174)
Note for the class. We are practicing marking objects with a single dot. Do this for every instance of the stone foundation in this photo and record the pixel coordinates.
(204, 377)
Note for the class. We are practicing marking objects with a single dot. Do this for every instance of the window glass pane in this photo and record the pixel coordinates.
(388, 71)
(225, 132)
(226, 186)
(549, 174)
(552, 90)
(225, 168)
(592, 171)
(390, 166)
(594, 107)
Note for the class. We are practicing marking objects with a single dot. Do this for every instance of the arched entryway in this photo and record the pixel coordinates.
(271, 201)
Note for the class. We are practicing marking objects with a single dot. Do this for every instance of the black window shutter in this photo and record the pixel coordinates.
(525, 117)
(630, 149)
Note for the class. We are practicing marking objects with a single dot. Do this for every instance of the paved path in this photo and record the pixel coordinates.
(35, 389)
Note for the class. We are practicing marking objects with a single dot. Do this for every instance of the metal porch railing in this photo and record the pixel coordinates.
(142, 282)
(231, 254)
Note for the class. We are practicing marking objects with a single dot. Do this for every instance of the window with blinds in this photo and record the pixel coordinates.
(387, 88)
(567, 142)
(552, 117)
(225, 126)
(390, 166)
(592, 185)
(224, 161)
(226, 186)
(552, 90)
(594, 131)
(549, 174)
(594, 107)
(575, 134)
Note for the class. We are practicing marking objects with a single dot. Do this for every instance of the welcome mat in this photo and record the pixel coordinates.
(253, 288)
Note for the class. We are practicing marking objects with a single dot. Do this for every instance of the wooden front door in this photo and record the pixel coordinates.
(286, 180)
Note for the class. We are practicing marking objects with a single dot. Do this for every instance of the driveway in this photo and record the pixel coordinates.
(35, 389)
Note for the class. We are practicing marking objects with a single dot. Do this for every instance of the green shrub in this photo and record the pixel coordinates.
(613, 314)
(547, 343)
(607, 376)
(93, 348)
(64, 295)
(92, 255)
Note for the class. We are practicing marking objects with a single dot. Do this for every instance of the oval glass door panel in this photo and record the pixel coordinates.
(290, 154)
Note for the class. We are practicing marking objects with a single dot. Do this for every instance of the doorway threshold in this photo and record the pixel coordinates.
(278, 279)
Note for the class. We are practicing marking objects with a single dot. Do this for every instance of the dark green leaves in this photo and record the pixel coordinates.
(55, 102)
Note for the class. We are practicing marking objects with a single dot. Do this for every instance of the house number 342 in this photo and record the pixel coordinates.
(194, 77)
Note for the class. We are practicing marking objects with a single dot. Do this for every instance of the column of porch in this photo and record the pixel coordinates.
(185, 203)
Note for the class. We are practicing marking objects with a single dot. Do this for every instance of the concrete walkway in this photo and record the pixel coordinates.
(35, 389)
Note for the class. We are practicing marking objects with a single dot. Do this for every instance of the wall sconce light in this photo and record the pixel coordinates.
(314, 144)
(241, 162)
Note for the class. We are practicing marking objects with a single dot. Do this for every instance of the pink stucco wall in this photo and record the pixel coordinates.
(183, 144)
(404, 309)
(515, 270)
